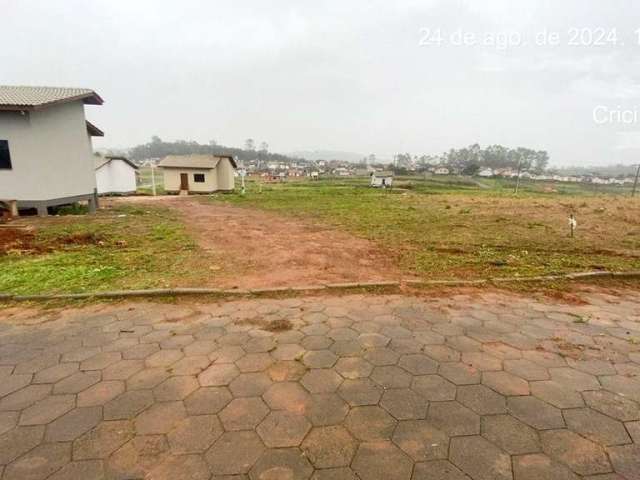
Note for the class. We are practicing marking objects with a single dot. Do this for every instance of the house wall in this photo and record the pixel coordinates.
(51, 154)
(172, 179)
(226, 179)
(116, 177)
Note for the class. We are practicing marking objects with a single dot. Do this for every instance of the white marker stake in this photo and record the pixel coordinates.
(572, 224)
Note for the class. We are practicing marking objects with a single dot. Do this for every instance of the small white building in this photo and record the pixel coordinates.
(441, 171)
(46, 156)
(381, 179)
(486, 172)
(198, 173)
(115, 175)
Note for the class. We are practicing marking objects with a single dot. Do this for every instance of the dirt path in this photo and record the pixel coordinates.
(273, 250)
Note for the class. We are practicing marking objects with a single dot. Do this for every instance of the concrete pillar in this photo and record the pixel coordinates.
(92, 204)
(13, 208)
(42, 210)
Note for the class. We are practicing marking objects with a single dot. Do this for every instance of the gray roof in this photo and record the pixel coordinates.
(205, 162)
(14, 97)
(383, 174)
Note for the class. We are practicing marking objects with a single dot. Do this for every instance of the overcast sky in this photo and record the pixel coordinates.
(342, 75)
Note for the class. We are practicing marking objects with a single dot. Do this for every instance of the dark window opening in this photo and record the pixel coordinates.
(198, 177)
(5, 157)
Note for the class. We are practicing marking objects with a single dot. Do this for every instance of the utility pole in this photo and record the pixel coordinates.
(242, 173)
(518, 179)
(153, 180)
(635, 182)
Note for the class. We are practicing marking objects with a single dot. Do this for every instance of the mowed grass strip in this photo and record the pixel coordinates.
(458, 228)
(123, 247)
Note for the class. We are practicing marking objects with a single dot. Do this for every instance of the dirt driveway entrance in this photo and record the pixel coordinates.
(270, 250)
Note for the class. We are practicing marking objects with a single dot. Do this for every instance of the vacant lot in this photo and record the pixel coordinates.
(303, 233)
(448, 230)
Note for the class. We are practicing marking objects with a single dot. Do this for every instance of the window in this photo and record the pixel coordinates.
(198, 177)
(5, 157)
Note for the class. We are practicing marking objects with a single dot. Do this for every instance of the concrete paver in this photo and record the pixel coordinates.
(483, 386)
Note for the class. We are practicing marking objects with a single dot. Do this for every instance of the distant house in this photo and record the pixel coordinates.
(486, 172)
(441, 171)
(115, 175)
(198, 173)
(599, 181)
(46, 156)
(381, 179)
(341, 172)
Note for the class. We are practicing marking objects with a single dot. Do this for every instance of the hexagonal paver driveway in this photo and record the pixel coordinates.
(484, 387)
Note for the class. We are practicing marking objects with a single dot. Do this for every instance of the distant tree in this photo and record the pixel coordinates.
(264, 147)
(249, 144)
(471, 169)
(157, 148)
(541, 161)
(402, 160)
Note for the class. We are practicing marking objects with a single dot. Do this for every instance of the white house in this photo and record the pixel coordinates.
(342, 172)
(115, 175)
(441, 171)
(46, 156)
(381, 179)
(198, 173)
(486, 172)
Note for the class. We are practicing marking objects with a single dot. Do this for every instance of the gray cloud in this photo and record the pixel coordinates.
(335, 75)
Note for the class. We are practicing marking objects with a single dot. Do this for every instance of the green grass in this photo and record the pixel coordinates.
(447, 227)
(145, 181)
(137, 247)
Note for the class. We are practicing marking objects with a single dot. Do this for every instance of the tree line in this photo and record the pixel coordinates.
(158, 148)
(474, 158)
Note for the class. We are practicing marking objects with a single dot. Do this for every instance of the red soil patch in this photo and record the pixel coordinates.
(18, 239)
(24, 241)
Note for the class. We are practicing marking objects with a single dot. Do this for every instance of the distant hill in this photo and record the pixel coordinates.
(327, 155)
(608, 170)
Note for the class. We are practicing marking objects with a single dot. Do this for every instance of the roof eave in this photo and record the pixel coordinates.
(188, 167)
(90, 98)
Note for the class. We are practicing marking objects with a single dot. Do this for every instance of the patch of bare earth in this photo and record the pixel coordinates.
(23, 241)
(270, 250)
